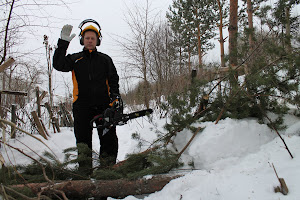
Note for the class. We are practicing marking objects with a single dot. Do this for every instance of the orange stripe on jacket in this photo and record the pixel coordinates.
(75, 87)
(75, 84)
(108, 88)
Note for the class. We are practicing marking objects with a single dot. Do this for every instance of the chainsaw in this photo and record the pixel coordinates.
(114, 116)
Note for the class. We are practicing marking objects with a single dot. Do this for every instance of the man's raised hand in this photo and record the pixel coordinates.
(65, 33)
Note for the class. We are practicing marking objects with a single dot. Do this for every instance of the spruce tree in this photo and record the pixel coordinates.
(195, 21)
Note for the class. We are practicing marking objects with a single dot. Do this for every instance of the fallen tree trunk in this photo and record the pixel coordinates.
(101, 188)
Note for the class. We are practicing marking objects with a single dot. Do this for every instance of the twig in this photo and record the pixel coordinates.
(14, 167)
(275, 171)
(53, 191)
(61, 193)
(15, 192)
(14, 126)
(220, 115)
(170, 135)
(44, 197)
(276, 131)
(199, 113)
(189, 142)
(225, 107)
(4, 192)
(51, 183)
(271, 124)
(22, 152)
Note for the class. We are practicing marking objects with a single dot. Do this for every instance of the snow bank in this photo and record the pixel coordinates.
(235, 161)
(232, 159)
(224, 143)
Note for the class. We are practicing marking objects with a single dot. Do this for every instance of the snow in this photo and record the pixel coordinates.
(232, 159)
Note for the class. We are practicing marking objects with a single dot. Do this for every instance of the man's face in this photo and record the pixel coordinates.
(90, 40)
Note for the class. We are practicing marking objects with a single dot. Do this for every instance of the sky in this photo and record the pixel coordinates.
(109, 14)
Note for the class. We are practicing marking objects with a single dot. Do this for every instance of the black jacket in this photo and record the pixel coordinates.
(94, 75)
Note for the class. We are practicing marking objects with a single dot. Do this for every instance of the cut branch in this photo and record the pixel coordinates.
(6, 64)
(27, 133)
(190, 141)
(276, 131)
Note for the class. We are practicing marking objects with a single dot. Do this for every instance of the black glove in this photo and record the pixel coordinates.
(116, 101)
(108, 116)
(113, 113)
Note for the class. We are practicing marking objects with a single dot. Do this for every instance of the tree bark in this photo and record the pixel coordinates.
(102, 188)
(250, 24)
(13, 120)
(221, 35)
(190, 67)
(38, 101)
(199, 46)
(288, 29)
(233, 30)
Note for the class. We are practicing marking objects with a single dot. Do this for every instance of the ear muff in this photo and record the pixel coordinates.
(97, 31)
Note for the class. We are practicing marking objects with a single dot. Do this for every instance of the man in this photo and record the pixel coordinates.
(95, 86)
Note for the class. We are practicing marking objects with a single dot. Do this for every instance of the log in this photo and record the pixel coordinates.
(102, 188)
(38, 101)
(53, 120)
(13, 92)
(44, 127)
(67, 116)
(42, 96)
(13, 120)
(39, 125)
(56, 124)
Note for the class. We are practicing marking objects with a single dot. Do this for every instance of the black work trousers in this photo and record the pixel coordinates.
(83, 113)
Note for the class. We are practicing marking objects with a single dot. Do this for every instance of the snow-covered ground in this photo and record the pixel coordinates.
(232, 159)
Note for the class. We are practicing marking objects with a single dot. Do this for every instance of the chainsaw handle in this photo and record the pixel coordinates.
(104, 123)
(97, 117)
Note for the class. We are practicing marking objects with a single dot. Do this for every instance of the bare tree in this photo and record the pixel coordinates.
(165, 61)
(160, 59)
(141, 22)
(49, 67)
(17, 23)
